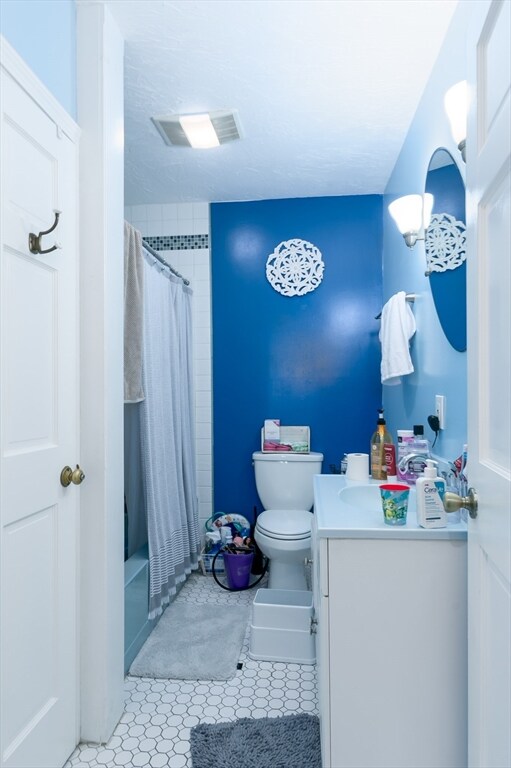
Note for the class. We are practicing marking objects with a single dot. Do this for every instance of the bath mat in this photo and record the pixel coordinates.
(291, 741)
(194, 642)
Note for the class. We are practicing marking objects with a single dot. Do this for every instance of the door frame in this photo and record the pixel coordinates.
(100, 89)
(100, 52)
(100, 115)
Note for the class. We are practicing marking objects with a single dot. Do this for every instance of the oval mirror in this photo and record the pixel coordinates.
(445, 247)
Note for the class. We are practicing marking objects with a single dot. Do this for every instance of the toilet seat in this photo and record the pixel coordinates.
(285, 524)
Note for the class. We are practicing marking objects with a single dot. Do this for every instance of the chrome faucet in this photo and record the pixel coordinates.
(410, 457)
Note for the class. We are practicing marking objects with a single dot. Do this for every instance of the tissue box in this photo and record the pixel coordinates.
(272, 429)
(271, 434)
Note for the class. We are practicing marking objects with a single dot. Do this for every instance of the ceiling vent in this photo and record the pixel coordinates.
(224, 121)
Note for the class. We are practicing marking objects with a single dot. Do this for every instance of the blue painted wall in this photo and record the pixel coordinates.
(310, 360)
(439, 369)
(43, 32)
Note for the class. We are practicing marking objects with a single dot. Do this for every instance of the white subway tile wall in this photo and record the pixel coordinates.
(186, 219)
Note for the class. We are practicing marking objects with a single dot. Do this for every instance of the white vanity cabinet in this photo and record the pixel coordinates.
(390, 605)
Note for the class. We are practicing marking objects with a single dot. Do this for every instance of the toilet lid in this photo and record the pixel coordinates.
(285, 523)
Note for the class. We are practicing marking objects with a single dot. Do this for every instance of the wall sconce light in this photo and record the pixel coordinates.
(456, 107)
(412, 214)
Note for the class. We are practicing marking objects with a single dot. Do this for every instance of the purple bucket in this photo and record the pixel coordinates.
(237, 569)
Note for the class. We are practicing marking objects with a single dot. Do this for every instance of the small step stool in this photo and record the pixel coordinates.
(281, 628)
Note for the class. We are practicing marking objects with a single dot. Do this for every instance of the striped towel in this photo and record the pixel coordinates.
(133, 314)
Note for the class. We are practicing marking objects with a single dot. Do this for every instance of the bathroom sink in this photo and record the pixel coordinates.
(367, 497)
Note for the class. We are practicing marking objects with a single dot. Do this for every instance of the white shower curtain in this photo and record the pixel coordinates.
(167, 433)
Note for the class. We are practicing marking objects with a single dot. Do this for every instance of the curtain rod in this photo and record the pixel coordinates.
(162, 261)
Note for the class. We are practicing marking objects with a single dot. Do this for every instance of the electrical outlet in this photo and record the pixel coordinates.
(440, 410)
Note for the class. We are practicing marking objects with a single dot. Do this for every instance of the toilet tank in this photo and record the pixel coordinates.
(285, 480)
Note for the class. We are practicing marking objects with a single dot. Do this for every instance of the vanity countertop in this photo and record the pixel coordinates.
(340, 519)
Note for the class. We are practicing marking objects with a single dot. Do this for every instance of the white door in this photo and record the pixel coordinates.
(39, 427)
(489, 384)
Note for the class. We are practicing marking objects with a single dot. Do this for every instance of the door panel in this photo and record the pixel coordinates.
(497, 613)
(493, 83)
(30, 199)
(30, 379)
(38, 435)
(32, 682)
(495, 279)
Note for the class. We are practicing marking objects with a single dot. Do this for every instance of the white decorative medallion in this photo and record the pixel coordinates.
(295, 267)
(445, 243)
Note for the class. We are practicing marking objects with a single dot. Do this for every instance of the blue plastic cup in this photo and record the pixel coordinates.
(394, 501)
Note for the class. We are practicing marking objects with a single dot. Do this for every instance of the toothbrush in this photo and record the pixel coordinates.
(463, 475)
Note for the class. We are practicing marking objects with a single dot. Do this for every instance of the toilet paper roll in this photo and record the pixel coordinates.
(357, 467)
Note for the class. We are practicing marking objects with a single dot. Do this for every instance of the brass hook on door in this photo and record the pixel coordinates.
(34, 241)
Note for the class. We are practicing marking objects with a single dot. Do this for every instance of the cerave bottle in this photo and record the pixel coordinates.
(430, 495)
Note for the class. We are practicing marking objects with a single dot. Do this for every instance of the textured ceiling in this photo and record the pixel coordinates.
(325, 91)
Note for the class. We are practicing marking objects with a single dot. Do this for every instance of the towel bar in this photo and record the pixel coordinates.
(409, 297)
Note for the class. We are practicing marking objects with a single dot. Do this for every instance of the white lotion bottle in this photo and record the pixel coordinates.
(430, 491)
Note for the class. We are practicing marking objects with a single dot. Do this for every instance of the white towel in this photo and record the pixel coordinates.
(133, 314)
(397, 328)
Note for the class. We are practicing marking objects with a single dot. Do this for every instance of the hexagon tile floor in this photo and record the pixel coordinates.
(155, 728)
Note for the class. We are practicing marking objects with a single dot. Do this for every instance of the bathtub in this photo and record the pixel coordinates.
(137, 627)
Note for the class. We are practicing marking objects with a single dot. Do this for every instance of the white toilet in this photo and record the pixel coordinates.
(284, 483)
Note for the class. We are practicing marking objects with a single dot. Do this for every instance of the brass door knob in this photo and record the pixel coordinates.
(68, 476)
(453, 502)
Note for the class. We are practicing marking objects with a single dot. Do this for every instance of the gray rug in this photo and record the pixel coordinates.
(194, 642)
(291, 741)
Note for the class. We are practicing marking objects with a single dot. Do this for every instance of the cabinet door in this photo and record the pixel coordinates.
(398, 653)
